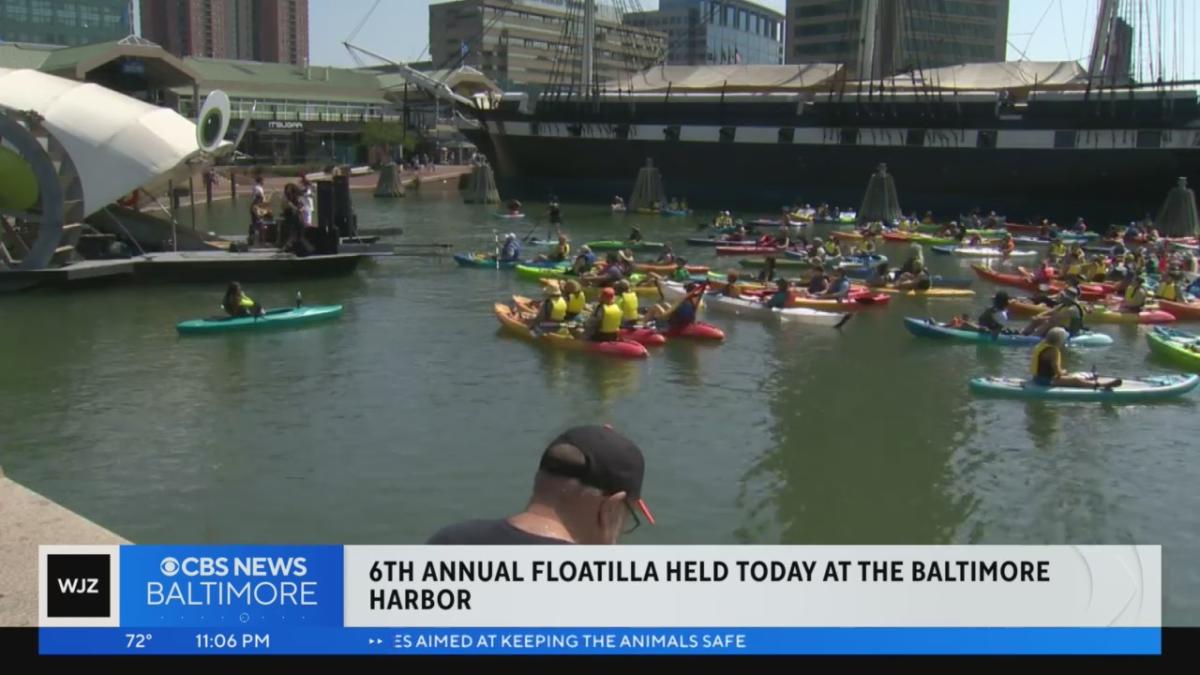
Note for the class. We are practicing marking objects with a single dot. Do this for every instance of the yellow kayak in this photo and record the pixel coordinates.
(931, 293)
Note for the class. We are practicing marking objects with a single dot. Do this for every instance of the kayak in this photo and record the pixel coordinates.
(542, 270)
(860, 259)
(1088, 291)
(846, 236)
(918, 238)
(939, 281)
(934, 292)
(509, 216)
(668, 268)
(712, 241)
(1151, 388)
(1098, 313)
(857, 300)
(482, 260)
(564, 340)
(981, 252)
(749, 250)
(1173, 345)
(697, 330)
(272, 318)
(1185, 311)
(744, 307)
(1042, 241)
(931, 329)
(675, 212)
(643, 336)
(780, 263)
(614, 245)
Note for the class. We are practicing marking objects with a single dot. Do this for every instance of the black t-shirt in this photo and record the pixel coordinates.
(492, 532)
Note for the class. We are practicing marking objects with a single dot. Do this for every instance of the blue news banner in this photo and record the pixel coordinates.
(171, 600)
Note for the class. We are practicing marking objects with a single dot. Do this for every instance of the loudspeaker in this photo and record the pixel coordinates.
(342, 207)
(325, 201)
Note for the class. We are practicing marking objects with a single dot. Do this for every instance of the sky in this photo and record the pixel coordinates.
(1040, 30)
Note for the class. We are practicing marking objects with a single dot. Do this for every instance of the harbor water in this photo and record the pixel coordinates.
(412, 412)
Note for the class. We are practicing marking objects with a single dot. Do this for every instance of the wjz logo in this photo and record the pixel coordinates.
(78, 585)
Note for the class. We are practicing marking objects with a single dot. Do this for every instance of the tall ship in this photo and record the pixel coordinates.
(1024, 138)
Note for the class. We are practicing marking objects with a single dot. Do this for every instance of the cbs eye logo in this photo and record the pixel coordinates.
(169, 567)
(78, 585)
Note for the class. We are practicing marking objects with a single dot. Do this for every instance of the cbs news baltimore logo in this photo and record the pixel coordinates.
(78, 586)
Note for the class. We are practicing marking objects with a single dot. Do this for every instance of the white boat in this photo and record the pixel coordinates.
(981, 252)
(673, 291)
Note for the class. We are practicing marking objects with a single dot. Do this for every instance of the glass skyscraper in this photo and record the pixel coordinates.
(65, 22)
(701, 32)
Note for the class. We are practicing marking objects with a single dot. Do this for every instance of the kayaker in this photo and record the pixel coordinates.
(681, 272)
(782, 296)
(625, 261)
(554, 211)
(818, 284)
(992, 320)
(1170, 288)
(1047, 369)
(865, 247)
(1134, 298)
(915, 261)
(682, 313)
(666, 255)
(1068, 314)
(635, 235)
(1007, 246)
(831, 249)
(585, 261)
(1080, 227)
(610, 275)
(587, 490)
(627, 300)
(767, 273)
(783, 238)
(1072, 265)
(605, 325)
(921, 281)
(879, 276)
(576, 300)
(1058, 249)
(237, 303)
(553, 311)
(1095, 269)
(618, 203)
(511, 250)
(732, 288)
(562, 252)
(839, 288)
(514, 207)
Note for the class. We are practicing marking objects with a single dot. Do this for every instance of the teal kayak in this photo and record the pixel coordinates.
(930, 329)
(272, 318)
(614, 245)
(1132, 390)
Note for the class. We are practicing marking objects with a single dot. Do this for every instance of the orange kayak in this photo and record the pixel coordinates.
(667, 268)
(1187, 311)
(562, 340)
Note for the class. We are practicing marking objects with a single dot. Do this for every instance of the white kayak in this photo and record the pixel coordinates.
(673, 291)
(981, 252)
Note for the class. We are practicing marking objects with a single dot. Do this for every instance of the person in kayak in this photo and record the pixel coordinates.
(839, 288)
(831, 249)
(1007, 246)
(666, 255)
(1057, 250)
(635, 235)
(992, 320)
(782, 296)
(879, 276)
(1044, 274)
(553, 310)
(921, 281)
(605, 324)
(627, 300)
(237, 303)
(584, 262)
(865, 247)
(915, 262)
(1135, 297)
(618, 203)
(818, 284)
(683, 313)
(514, 207)
(554, 211)
(1068, 314)
(625, 261)
(732, 288)
(681, 272)
(767, 273)
(1170, 288)
(511, 250)
(576, 300)
(610, 275)
(1047, 369)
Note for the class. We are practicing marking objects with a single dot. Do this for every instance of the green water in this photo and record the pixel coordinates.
(412, 412)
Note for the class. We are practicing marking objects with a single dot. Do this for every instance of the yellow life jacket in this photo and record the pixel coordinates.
(564, 250)
(1131, 293)
(1058, 249)
(1037, 353)
(575, 303)
(245, 301)
(610, 318)
(831, 248)
(1075, 267)
(1168, 291)
(629, 306)
(558, 308)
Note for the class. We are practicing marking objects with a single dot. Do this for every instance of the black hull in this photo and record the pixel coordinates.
(1103, 186)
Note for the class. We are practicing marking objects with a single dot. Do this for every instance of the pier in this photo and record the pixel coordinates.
(27, 520)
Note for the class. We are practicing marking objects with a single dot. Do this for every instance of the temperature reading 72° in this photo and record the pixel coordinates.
(137, 640)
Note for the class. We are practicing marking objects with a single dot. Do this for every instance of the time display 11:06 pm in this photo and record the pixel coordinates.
(233, 641)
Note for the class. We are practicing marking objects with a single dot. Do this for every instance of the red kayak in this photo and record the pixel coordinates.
(1188, 311)
(1090, 292)
(1024, 228)
(696, 331)
(667, 268)
(643, 336)
(750, 250)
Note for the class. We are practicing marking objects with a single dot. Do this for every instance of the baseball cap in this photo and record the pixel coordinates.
(611, 462)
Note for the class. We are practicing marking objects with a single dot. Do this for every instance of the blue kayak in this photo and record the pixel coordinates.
(927, 328)
(482, 261)
(1132, 390)
(272, 318)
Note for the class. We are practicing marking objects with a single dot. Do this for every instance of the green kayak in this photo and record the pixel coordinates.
(557, 271)
(1173, 345)
(1132, 390)
(272, 318)
(780, 263)
(614, 245)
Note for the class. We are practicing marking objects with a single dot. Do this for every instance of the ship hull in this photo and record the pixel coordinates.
(1103, 186)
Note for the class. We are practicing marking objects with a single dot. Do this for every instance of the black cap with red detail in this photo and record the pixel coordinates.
(612, 462)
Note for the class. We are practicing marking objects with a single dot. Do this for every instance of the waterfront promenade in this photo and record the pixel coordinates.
(27, 520)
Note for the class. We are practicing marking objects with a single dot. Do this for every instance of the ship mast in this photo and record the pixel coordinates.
(589, 39)
(1104, 23)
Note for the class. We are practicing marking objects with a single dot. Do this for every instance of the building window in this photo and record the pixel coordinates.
(65, 14)
(787, 135)
(849, 137)
(1064, 139)
(39, 11)
(671, 133)
(728, 134)
(986, 139)
(915, 137)
(1149, 139)
(17, 11)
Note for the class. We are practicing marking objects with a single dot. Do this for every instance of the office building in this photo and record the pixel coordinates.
(260, 30)
(702, 32)
(537, 43)
(64, 22)
(908, 34)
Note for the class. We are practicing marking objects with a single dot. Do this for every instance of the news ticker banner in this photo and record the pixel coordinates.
(600, 600)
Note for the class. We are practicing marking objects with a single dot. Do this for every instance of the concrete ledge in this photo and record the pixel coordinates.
(27, 520)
